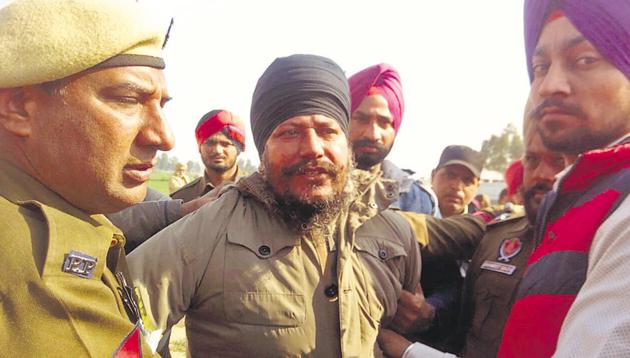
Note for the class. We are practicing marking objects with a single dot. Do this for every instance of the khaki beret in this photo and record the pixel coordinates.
(46, 40)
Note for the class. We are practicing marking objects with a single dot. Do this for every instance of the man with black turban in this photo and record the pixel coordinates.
(572, 301)
(298, 259)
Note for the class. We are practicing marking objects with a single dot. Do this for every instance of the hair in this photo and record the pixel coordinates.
(54, 87)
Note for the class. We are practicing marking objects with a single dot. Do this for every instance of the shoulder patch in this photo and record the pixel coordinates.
(506, 217)
(130, 347)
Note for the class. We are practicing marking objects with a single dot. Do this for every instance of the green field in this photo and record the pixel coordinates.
(159, 181)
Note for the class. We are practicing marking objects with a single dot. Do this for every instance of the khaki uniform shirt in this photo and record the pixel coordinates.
(200, 186)
(176, 182)
(250, 287)
(492, 281)
(44, 310)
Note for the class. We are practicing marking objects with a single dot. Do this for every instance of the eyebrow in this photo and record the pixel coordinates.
(144, 90)
(570, 43)
(379, 116)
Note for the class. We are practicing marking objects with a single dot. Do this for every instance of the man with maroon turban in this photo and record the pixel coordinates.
(572, 301)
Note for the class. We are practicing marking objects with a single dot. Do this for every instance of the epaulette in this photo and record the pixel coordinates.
(508, 213)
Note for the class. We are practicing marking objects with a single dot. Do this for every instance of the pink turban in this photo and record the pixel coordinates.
(380, 79)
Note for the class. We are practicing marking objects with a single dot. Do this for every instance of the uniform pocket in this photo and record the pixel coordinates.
(266, 309)
(381, 252)
(385, 264)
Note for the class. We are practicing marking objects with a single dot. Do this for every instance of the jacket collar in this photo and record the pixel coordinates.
(367, 193)
(20, 188)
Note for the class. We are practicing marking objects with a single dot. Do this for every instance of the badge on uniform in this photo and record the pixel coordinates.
(79, 264)
(130, 347)
(499, 267)
(509, 248)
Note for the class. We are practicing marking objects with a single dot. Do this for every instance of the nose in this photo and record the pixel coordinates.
(545, 172)
(312, 147)
(554, 83)
(371, 132)
(215, 149)
(156, 131)
(457, 185)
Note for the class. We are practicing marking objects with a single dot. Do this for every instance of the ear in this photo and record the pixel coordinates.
(14, 116)
(433, 175)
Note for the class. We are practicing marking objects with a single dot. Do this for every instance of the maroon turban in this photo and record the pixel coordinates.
(380, 79)
(604, 23)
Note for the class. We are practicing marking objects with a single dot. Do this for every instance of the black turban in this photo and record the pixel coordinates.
(298, 85)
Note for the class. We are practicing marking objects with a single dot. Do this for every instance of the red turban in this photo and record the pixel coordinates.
(382, 79)
(219, 120)
(514, 176)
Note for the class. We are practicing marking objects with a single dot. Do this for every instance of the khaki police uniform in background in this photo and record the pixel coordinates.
(176, 182)
(250, 287)
(200, 186)
(492, 281)
(47, 312)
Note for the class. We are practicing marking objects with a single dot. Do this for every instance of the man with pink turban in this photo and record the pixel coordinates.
(377, 111)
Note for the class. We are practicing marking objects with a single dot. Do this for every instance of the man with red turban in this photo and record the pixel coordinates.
(220, 137)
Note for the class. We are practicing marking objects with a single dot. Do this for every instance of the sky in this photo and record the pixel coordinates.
(462, 62)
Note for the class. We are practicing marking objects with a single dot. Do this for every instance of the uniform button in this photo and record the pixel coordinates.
(372, 205)
(331, 291)
(389, 195)
(264, 250)
(552, 235)
(382, 254)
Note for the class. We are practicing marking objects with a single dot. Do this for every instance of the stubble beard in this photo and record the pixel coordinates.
(580, 138)
(366, 161)
(220, 168)
(529, 201)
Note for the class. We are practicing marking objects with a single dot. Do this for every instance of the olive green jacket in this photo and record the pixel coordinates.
(46, 308)
(491, 283)
(251, 287)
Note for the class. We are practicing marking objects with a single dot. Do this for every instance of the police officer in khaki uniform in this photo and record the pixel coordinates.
(498, 263)
(81, 96)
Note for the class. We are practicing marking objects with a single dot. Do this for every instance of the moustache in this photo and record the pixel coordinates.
(541, 186)
(565, 107)
(303, 166)
(368, 143)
